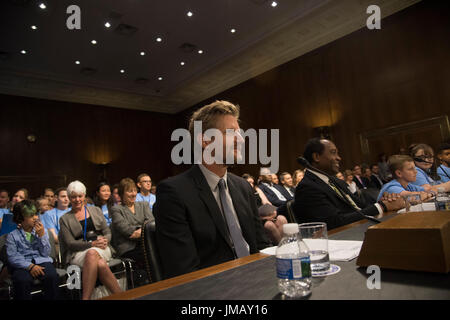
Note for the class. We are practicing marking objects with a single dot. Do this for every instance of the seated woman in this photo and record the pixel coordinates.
(8, 223)
(115, 194)
(273, 223)
(79, 248)
(259, 195)
(103, 200)
(28, 250)
(127, 221)
(340, 176)
(297, 176)
(348, 177)
(427, 177)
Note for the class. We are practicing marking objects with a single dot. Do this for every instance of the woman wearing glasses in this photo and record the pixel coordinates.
(427, 177)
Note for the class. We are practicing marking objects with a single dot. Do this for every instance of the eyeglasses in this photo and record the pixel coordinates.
(425, 157)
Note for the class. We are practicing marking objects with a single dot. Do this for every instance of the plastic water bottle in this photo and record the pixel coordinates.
(293, 263)
(442, 200)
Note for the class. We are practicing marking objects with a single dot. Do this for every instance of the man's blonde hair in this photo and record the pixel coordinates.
(397, 161)
(208, 114)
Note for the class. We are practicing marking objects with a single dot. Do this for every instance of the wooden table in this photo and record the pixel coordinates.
(206, 272)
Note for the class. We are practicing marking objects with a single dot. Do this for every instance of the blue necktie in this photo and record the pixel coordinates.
(235, 232)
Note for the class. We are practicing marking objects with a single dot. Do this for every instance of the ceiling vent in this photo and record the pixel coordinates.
(125, 30)
(88, 71)
(188, 47)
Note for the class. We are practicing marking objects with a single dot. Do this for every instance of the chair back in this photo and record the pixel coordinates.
(290, 212)
(151, 253)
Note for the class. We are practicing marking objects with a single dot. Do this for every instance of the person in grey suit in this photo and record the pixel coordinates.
(84, 239)
(127, 221)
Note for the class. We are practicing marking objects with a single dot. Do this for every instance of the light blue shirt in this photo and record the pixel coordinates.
(151, 198)
(21, 252)
(3, 211)
(106, 214)
(394, 186)
(422, 178)
(444, 173)
(50, 218)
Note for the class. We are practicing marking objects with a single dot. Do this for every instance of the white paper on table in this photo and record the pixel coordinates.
(427, 206)
(339, 250)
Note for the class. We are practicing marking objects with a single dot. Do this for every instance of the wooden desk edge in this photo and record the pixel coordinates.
(188, 277)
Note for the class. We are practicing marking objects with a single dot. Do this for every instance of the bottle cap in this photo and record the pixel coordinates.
(290, 228)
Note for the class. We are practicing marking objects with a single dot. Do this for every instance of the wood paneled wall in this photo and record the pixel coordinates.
(364, 81)
(73, 139)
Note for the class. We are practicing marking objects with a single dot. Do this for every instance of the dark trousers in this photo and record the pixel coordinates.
(23, 282)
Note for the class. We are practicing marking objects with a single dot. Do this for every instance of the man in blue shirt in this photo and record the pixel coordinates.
(404, 172)
(444, 157)
(28, 249)
(144, 182)
(50, 218)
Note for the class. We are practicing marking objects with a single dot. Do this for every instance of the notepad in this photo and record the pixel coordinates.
(427, 206)
(339, 250)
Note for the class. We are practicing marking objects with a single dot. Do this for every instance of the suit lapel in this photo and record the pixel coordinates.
(208, 199)
(325, 188)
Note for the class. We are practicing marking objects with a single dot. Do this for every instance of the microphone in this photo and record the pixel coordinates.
(422, 160)
(305, 163)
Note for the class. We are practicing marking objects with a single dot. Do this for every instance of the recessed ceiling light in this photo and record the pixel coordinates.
(77, 62)
(274, 4)
(158, 39)
(122, 71)
(200, 51)
(94, 41)
(160, 78)
(23, 52)
(189, 14)
(107, 24)
(33, 27)
(233, 30)
(142, 53)
(182, 63)
(42, 6)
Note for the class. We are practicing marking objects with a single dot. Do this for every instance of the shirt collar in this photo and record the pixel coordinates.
(212, 178)
(322, 177)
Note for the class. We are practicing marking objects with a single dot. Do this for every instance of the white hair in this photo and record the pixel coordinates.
(76, 187)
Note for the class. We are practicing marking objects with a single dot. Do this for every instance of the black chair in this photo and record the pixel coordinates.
(290, 212)
(151, 253)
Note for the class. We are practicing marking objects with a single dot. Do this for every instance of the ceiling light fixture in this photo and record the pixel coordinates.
(182, 63)
(77, 62)
(200, 51)
(160, 78)
(94, 41)
(158, 39)
(189, 14)
(33, 27)
(274, 4)
(142, 53)
(23, 52)
(233, 30)
(42, 6)
(122, 71)
(107, 24)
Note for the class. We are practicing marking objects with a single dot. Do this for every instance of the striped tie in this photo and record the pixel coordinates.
(344, 196)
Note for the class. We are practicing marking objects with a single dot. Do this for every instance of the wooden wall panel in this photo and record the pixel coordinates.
(367, 80)
(72, 139)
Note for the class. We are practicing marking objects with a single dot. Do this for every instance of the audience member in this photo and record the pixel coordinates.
(50, 195)
(297, 177)
(272, 222)
(443, 169)
(361, 182)
(103, 200)
(153, 189)
(384, 173)
(115, 194)
(260, 197)
(127, 221)
(8, 223)
(43, 205)
(288, 185)
(20, 195)
(51, 218)
(348, 175)
(4, 199)
(275, 179)
(375, 178)
(273, 192)
(206, 215)
(340, 176)
(28, 249)
(322, 197)
(84, 239)
(427, 176)
(144, 182)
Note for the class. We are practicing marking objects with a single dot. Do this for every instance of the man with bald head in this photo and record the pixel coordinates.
(320, 196)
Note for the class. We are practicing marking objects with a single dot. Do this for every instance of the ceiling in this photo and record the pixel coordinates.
(265, 36)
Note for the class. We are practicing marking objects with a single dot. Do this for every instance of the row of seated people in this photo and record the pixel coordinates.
(84, 236)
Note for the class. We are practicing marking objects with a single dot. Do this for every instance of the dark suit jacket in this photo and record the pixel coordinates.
(374, 183)
(364, 180)
(316, 201)
(191, 232)
(272, 197)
